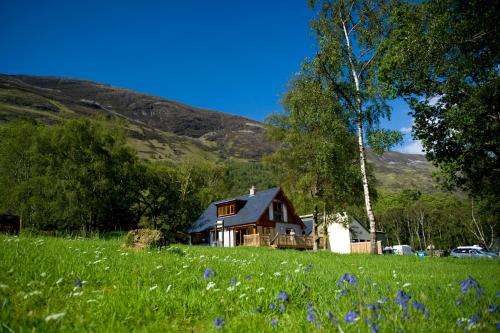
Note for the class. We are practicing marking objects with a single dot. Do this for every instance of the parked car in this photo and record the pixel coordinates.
(472, 252)
(404, 250)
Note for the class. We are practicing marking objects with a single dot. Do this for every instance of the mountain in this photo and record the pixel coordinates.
(158, 127)
(167, 130)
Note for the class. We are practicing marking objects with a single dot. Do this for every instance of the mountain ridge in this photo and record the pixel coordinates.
(163, 129)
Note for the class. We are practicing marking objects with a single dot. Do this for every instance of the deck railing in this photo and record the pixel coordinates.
(281, 241)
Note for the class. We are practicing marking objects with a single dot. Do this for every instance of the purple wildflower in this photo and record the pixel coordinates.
(458, 302)
(282, 308)
(257, 310)
(350, 316)
(401, 302)
(468, 284)
(402, 295)
(234, 280)
(382, 300)
(493, 308)
(283, 296)
(310, 317)
(274, 322)
(351, 279)
(498, 326)
(272, 306)
(474, 319)
(373, 327)
(418, 306)
(218, 322)
(78, 283)
(406, 316)
(373, 307)
(208, 273)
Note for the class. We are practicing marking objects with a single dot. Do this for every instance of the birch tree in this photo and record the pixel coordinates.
(349, 34)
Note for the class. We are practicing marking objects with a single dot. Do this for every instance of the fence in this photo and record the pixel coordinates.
(365, 247)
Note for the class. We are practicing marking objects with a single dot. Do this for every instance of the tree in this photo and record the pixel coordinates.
(317, 155)
(349, 35)
(443, 57)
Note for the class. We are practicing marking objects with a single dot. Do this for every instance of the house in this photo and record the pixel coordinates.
(257, 218)
(345, 234)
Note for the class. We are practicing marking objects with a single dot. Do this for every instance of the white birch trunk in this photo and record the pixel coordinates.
(362, 158)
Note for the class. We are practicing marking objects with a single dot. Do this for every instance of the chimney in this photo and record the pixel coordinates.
(252, 191)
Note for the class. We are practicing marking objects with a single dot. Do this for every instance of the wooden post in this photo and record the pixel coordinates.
(315, 224)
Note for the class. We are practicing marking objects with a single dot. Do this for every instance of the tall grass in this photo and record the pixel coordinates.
(90, 285)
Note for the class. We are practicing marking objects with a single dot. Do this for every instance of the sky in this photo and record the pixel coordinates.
(231, 56)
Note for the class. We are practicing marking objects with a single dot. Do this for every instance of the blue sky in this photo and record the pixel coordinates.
(231, 56)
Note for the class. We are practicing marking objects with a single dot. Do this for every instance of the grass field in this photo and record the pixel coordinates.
(80, 285)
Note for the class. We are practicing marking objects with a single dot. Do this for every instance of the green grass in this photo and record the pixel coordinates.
(165, 290)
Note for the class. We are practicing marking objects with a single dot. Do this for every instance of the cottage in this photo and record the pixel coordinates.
(257, 218)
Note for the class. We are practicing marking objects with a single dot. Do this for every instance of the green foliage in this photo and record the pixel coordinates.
(443, 56)
(165, 290)
(442, 219)
(317, 159)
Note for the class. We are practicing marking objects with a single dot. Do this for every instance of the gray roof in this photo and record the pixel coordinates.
(254, 207)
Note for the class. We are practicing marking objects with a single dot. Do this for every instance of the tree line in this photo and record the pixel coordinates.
(80, 176)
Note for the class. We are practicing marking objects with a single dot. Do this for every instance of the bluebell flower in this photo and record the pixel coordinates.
(493, 308)
(479, 292)
(401, 302)
(282, 308)
(382, 300)
(310, 317)
(234, 280)
(350, 316)
(283, 296)
(498, 326)
(406, 316)
(257, 310)
(402, 295)
(418, 306)
(474, 319)
(274, 322)
(373, 307)
(351, 279)
(458, 302)
(373, 327)
(218, 322)
(272, 306)
(468, 284)
(78, 283)
(208, 273)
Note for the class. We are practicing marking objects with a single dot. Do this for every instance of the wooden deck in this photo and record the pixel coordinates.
(281, 241)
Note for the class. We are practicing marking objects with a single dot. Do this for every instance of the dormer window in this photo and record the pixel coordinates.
(226, 210)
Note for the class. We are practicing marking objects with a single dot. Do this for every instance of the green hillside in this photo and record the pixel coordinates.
(163, 130)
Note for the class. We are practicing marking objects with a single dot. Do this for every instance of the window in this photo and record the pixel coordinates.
(278, 211)
(226, 210)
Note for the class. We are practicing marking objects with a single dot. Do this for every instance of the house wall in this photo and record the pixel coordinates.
(339, 238)
(358, 232)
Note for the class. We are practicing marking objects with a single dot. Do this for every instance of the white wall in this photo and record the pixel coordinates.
(229, 240)
(339, 238)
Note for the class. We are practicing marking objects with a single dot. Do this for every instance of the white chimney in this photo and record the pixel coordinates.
(252, 191)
